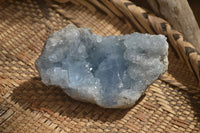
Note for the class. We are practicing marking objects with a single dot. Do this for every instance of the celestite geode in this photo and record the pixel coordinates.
(111, 71)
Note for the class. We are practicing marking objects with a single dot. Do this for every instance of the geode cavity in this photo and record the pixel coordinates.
(111, 71)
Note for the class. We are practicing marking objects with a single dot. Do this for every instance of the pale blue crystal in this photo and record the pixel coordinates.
(111, 71)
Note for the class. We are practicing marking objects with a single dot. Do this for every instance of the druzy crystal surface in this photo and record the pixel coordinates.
(111, 71)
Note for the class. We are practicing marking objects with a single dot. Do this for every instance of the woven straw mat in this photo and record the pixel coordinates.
(170, 104)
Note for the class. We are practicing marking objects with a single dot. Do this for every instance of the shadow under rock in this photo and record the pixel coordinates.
(35, 95)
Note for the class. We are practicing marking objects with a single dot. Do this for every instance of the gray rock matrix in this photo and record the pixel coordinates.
(111, 71)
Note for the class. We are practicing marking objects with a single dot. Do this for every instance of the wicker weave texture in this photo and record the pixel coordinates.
(170, 104)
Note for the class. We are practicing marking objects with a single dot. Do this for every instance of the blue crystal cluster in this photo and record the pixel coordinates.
(111, 71)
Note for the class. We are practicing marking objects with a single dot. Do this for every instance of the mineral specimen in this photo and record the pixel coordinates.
(111, 71)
